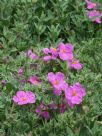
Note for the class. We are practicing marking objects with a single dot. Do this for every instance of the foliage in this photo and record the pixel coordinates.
(35, 24)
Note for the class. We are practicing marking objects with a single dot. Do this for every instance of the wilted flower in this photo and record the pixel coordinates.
(75, 64)
(62, 107)
(74, 94)
(23, 97)
(57, 81)
(29, 52)
(57, 92)
(42, 111)
(20, 72)
(66, 51)
(34, 80)
(4, 82)
(32, 55)
(45, 114)
(53, 106)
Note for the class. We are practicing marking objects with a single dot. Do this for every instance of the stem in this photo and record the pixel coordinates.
(12, 109)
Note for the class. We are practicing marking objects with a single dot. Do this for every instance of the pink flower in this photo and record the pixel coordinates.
(75, 64)
(74, 94)
(42, 111)
(4, 82)
(46, 51)
(93, 13)
(57, 81)
(20, 72)
(22, 97)
(95, 16)
(90, 5)
(51, 54)
(34, 80)
(32, 55)
(66, 51)
(47, 58)
(54, 52)
(99, 20)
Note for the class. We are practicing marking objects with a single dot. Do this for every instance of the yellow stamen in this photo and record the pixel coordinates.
(63, 50)
(56, 82)
(54, 49)
(74, 62)
(74, 93)
(23, 98)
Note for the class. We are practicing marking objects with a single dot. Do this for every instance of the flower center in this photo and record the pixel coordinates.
(56, 82)
(54, 49)
(24, 98)
(35, 82)
(74, 62)
(74, 93)
(64, 51)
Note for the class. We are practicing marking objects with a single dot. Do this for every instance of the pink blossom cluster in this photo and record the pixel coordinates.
(66, 53)
(63, 52)
(73, 94)
(93, 13)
